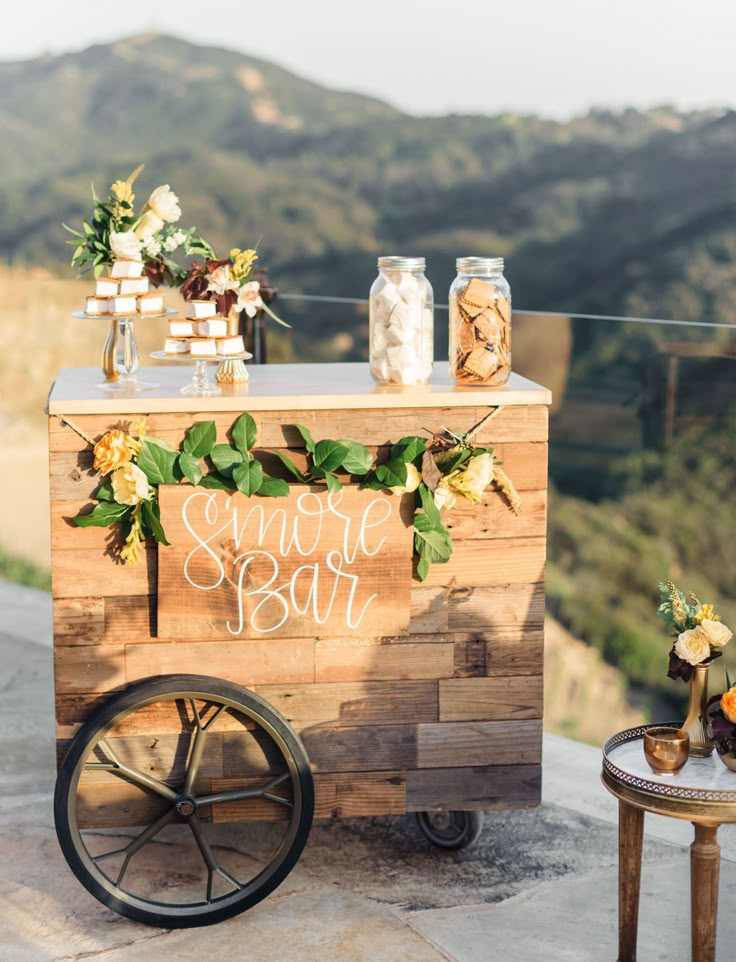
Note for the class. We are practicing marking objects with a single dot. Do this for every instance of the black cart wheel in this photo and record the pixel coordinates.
(451, 829)
(145, 821)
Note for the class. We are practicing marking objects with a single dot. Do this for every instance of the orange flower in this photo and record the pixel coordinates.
(111, 451)
(728, 704)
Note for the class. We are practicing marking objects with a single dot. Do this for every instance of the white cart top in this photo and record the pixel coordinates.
(276, 387)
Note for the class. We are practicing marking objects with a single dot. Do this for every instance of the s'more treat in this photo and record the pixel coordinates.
(133, 285)
(176, 345)
(230, 345)
(201, 309)
(480, 317)
(96, 305)
(106, 287)
(181, 328)
(123, 304)
(126, 268)
(151, 303)
(203, 347)
(213, 327)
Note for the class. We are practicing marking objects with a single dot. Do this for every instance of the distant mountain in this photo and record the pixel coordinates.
(610, 212)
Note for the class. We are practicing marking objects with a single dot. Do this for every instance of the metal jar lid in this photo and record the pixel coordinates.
(401, 263)
(479, 265)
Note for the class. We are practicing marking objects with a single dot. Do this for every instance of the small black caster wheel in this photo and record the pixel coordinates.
(452, 830)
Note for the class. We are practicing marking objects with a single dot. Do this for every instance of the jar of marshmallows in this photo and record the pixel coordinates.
(401, 322)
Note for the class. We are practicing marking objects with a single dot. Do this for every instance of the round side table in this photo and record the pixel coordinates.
(704, 793)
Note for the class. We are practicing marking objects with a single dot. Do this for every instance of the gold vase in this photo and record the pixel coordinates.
(230, 371)
(109, 352)
(697, 724)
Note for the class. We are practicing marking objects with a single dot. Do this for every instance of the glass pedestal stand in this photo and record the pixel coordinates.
(200, 385)
(120, 359)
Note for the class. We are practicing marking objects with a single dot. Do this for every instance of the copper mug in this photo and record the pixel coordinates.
(666, 749)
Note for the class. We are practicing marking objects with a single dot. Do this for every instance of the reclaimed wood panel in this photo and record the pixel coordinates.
(474, 789)
(458, 744)
(353, 794)
(428, 609)
(89, 668)
(490, 563)
(130, 620)
(470, 657)
(491, 699)
(245, 663)
(79, 621)
(275, 428)
(351, 704)
(500, 606)
(515, 652)
(493, 518)
(82, 573)
(367, 662)
(363, 749)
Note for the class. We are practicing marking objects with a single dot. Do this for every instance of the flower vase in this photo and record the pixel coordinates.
(697, 724)
(232, 371)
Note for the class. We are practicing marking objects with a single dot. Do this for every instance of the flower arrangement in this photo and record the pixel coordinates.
(115, 230)
(723, 719)
(437, 471)
(230, 282)
(698, 631)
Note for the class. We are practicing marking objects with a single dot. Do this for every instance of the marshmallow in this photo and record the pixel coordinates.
(133, 285)
(106, 287)
(96, 305)
(199, 309)
(217, 327)
(230, 345)
(203, 347)
(126, 268)
(401, 330)
(181, 328)
(152, 303)
(176, 345)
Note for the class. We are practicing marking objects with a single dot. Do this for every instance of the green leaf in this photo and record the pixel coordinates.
(430, 542)
(460, 457)
(358, 459)
(409, 448)
(157, 463)
(274, 488)
(248, 477)
(333, 483)
(151, 519)
(392, 473)
(216, 482)
(190, 467)
(289, 465)
(244, 433)
(102, 515)
(422, 568)
(329, 455)
(307, 436)
(428, 505)
(200, 439)
(104, 492)
(159, 443)
(225, 458)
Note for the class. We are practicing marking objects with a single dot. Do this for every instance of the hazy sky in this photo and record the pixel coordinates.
(555, 57)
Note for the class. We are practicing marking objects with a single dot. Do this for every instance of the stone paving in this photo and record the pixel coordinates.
(539, 885)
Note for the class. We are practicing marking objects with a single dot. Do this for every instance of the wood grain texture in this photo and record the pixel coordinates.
(502, 606)
(363, 749)
(491, 699)
(493, 518)
(468, 789)
(370, 662)
(515, 652)
(89, 668)
(82, 573)
(490, 563)
(79, 621)
(469, 744)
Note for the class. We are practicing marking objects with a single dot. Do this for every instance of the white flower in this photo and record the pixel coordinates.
(165, 204)
(130, 485)
(413, 480)
(148, 225)
(152, 247)
(249, 300)
(220, 280)
(443, 497)
(472, 480)
(716, 632)
(693, 646)
(174, 240)
(125, 245)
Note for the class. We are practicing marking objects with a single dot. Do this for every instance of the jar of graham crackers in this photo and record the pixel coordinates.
(480, 322)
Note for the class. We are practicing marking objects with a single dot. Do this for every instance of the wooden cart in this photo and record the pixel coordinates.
(175, 721)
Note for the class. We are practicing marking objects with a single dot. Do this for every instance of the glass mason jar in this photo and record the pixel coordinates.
(480, 322)
(401, 322)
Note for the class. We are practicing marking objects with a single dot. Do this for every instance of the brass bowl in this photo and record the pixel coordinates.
(666, 749)
(729, 760)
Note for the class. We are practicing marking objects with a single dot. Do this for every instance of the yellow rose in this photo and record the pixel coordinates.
(716, 632)
(413, 480)
(165, 204)
(111, 451)
(693, 646)
(705, 611)
(130, 485)
(471, 481)
(148, 225)
(728, 704)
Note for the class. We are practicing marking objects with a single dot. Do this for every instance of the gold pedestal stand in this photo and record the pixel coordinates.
(232, 371)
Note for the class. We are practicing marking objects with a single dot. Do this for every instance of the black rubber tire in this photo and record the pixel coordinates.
(450, 829)
(184, 915)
